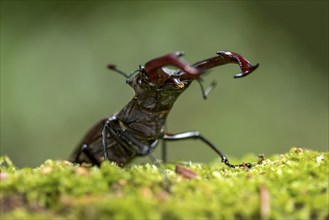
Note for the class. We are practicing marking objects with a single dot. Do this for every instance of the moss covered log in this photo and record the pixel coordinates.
(291, 186)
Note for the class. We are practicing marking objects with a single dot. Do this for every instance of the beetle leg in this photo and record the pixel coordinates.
(205, 92)
(104, 140)
(119, 133)
(164, 151)
(140, 148)
(164, 146)
(197, 135)
(158, 165)
(85, 149)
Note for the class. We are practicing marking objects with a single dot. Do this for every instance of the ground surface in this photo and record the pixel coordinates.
(290, 186)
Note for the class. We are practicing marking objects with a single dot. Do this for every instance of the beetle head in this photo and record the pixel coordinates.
(171, 74)
(168, 69)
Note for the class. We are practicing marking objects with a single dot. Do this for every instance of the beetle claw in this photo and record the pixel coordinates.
(156, 73)
(246, 72)
(245, 65)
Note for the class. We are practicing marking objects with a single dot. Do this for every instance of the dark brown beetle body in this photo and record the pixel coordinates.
(138, 127)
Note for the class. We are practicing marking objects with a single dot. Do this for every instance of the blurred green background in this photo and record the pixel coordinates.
(55, 85)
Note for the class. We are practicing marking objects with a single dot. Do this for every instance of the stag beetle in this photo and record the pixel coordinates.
(138, 127)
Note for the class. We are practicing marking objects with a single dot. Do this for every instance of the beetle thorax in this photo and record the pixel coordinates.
(147, 111)
(153, 97)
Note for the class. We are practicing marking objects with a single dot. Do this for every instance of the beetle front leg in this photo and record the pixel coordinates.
(197, 135)
(140, 148)
(112, 126)
(104, 141)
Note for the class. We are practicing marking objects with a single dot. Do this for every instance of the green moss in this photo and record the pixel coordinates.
(291, 186)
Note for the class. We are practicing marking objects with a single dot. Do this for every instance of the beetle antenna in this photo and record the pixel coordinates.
(114, 68)
(205, 92)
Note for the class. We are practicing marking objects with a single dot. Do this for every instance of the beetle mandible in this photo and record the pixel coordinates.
(138, 127)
